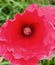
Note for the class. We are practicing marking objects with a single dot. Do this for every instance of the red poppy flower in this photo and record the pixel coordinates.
(25, 39)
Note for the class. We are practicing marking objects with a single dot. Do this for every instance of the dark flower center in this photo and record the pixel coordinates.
(27, 30)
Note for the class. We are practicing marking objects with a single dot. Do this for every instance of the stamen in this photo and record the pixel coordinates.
(27, 30)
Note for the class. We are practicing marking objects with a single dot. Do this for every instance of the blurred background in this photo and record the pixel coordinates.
(9, 7)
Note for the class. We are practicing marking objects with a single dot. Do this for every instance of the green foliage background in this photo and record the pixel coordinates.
(9, 7)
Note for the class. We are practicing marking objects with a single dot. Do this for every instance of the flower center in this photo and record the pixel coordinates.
(27, 30)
